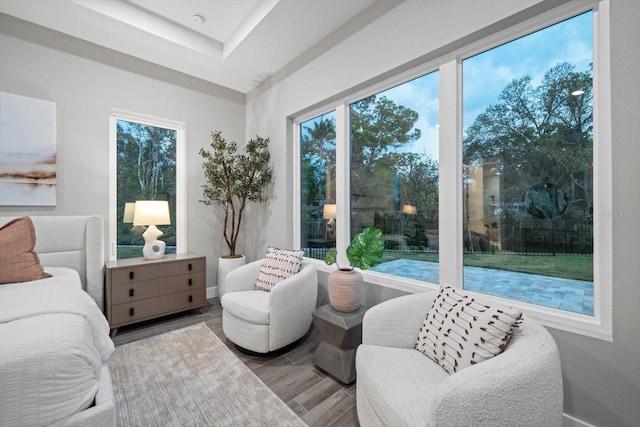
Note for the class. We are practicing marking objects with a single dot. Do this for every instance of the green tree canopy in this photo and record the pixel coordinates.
(146, 158)
(319, 160)
(540, 134)
(379, 127)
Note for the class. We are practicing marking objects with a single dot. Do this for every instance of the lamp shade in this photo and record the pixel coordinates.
(329, 211)
(129, 210)
(409, 210)
(151, 212)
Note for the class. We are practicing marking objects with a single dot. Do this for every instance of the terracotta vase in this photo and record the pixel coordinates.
(345, 289)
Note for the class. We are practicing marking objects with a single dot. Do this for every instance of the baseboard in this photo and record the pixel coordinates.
(569, 421)
(212, 292)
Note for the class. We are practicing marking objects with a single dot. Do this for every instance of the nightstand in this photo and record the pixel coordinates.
(137, 289)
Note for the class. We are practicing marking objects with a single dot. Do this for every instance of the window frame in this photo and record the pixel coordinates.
(450, 98)
(181, 208)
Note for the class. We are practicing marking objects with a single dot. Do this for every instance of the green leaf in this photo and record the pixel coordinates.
(331, 256)
(366, 249)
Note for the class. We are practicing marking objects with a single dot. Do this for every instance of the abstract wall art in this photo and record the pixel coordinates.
(27, 151)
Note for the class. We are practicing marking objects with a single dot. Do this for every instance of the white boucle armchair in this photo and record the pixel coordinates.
(262, 321)
(399, 386)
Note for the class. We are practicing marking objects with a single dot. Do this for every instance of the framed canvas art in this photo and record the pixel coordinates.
(27, 151)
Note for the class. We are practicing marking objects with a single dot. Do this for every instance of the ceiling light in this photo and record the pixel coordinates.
(198, 19)
(577, 92)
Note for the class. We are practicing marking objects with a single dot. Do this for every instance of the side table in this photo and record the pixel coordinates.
(341, 334)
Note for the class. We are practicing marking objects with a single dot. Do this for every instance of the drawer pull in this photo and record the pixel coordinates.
(131, 311)
(190, 298)
(190, 282)
(131, 292)
(190, 267)
(131, 275)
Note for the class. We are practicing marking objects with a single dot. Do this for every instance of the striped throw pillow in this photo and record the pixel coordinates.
(278, 264)
(460, 331)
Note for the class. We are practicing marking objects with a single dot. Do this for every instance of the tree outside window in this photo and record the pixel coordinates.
(146, 168)
(528, 165)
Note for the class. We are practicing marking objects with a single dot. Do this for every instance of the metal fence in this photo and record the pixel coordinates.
(548, 236)
(525, 236)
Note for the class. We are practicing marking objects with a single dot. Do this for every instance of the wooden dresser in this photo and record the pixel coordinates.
(137, 289)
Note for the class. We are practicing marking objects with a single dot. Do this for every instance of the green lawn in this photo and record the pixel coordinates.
(569, 266)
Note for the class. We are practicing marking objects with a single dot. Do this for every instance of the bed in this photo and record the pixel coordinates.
(54, 339)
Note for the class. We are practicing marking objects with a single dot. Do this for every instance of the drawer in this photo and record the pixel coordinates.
(135, 291)
(154, 271)
(123, 314)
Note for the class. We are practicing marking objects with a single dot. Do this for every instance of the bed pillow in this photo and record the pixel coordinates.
(278, 264)
(18, 261)
(460, 331)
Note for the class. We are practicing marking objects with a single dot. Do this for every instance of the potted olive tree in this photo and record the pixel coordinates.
(346, 284)
(234, 179)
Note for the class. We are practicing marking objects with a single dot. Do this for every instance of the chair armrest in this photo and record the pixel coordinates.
(243, 278)
(397, 322)
(526, 379)
(295, 296)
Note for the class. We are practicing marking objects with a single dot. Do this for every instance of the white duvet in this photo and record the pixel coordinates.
(53, 342)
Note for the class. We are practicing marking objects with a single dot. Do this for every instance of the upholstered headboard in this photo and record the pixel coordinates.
(75, 242)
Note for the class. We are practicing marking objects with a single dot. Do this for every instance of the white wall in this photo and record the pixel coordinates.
(86, 82)
(601, 379)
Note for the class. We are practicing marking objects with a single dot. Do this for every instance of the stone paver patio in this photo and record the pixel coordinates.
(555, 292)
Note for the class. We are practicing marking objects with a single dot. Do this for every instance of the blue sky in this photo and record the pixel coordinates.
(486, 74)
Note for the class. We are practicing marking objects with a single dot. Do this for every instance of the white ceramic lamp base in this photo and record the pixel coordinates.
(153, 248)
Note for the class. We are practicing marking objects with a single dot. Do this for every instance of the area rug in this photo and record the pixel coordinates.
(188, 377)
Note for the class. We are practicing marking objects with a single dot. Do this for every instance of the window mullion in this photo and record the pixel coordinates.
(450, 181)
(343, 183)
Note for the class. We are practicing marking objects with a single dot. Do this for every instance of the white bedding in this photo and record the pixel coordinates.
(54, 341)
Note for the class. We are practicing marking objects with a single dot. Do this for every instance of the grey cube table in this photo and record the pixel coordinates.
(341, 334)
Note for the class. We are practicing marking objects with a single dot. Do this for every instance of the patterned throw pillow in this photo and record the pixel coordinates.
(278, 265)
(18, 261)
(460, 331)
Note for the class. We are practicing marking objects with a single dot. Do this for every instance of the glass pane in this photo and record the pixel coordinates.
(528, 173)
(394, 175)
(146, 164)
(318, 192)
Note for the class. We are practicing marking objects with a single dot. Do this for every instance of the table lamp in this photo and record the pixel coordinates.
(409, 210)
(129, 210)
(152, 213)
(329, 212)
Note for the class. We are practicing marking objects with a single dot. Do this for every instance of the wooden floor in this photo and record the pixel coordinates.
(315, 396)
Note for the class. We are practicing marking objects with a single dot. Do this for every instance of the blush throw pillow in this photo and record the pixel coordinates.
(460, 331)
(18, 261)
(278, 264)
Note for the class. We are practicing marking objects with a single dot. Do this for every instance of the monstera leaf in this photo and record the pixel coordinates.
(331, 257)
(365, 251)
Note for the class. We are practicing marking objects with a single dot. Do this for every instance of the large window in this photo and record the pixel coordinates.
(492, 174)
(146, 165)
(528, 168)
(394, 175)
(318, 192)
(146, 171)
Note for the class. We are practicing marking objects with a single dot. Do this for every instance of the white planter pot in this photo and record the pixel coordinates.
(225, 265)
(345, 290)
